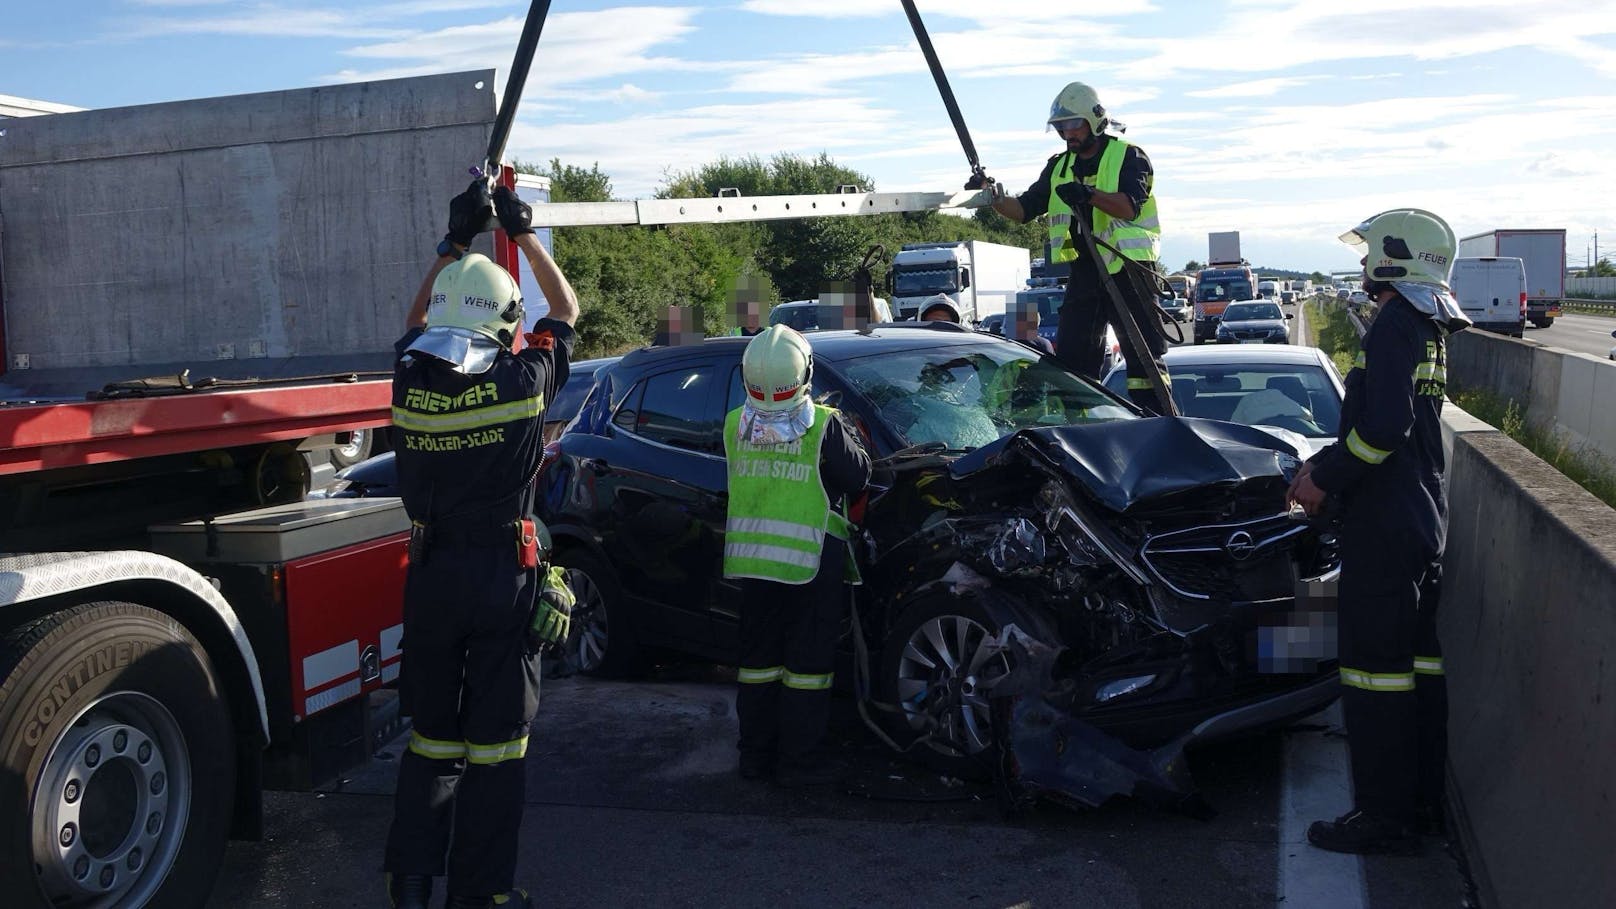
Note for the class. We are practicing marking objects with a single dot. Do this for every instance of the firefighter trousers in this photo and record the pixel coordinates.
(1080, 336)
(788, 658)
(472, 687)
(1394, 693)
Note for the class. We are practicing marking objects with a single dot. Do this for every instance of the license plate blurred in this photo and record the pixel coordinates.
(1301, 639)
(1252, 341)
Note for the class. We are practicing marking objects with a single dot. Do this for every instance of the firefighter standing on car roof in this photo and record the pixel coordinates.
(792, 465)
(469, 418)
(1385, 474)
(1112, 179)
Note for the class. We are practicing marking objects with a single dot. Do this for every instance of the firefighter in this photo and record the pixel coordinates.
(469, 416)
(1110, 179)
(1384, 480)
(792, 465)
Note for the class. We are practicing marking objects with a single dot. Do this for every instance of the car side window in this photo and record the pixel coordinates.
(673, 408)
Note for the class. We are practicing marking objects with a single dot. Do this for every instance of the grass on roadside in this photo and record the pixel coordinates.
(1583, 467)
(1330, 330)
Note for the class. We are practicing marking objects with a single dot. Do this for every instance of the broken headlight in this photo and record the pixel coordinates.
(1018, 549)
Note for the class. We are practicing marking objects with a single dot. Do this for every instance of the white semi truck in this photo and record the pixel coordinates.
(1544, 253)
(977, 279)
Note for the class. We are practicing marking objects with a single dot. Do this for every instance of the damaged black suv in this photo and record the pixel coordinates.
(1037, 554)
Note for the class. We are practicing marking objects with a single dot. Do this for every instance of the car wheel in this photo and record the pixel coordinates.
(938, 668)
(118, 760)
(362, 443)
(602, 641)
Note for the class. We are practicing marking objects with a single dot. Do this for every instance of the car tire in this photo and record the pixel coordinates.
(603, 639)
(362, 444)
(118, 761)
(939, 696)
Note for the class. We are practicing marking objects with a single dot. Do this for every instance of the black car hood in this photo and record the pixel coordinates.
(1127, 462)
(1270, 324)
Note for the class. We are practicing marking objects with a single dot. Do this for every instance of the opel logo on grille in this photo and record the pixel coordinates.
(1240, 546)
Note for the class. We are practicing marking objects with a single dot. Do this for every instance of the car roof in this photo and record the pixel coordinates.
(1288, 354)
(836, 344)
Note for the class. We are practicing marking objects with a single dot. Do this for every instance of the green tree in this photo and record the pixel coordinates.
(1603, 269)
(1319, 277)
(1192, 266)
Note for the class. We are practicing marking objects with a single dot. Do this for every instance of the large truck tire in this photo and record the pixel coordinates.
(117, 762)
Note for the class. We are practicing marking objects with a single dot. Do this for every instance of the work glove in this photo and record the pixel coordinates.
(515, 216)
(980, 180)
(1075, 194)
(552, 619)
(468, 214)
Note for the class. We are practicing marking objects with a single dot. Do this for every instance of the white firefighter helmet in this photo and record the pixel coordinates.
(474, 313)
(1078, 102)
(1412, 250)
(777, 368)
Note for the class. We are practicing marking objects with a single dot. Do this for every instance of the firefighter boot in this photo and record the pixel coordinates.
(511, 899)
(1361, 833)
(409, 891)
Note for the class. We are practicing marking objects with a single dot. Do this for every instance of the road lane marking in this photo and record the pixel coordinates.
(1316, 785)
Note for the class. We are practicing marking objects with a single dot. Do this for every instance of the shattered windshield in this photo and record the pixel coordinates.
(918, 281)
(967, 396)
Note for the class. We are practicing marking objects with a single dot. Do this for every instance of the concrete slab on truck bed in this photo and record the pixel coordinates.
(275, 234)
(632, 799)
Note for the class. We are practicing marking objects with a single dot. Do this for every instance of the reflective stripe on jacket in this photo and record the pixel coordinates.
(779, 512)
(1139, 239)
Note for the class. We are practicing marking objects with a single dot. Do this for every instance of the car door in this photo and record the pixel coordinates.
(664, 530)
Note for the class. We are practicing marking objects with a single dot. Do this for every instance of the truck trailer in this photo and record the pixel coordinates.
(1544, 253)
(191, 294)
(977, 278)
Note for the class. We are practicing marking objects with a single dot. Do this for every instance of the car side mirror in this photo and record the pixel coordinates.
(1613, 334)
(1290, 315)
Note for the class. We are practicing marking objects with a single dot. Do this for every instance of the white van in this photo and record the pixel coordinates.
(1492, 292)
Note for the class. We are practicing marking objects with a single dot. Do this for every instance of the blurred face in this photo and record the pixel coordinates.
(937, 314)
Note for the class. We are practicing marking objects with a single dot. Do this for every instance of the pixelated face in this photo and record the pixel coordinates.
(676, 327)
(840, 307)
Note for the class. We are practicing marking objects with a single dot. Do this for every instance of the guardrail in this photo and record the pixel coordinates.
(1586, 305)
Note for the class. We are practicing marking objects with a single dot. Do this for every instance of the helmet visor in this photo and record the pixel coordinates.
(1357, 238)
(469, 352)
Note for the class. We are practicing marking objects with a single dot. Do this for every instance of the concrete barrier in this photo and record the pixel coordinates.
(1528, 626)
(1571, 393)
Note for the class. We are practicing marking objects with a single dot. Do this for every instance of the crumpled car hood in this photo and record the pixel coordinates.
(1127, 462)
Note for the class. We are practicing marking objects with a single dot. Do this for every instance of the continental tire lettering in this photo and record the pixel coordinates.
(111, 658)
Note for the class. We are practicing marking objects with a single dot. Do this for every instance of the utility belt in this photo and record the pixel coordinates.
(527, 536)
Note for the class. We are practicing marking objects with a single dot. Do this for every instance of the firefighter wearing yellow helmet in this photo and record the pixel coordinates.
(479, 602)
(1108, 181)
(793, 463)
(1383, 481)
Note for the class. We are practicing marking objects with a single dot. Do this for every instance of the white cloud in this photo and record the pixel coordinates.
(1254, 89)
(258, 20)
(975, 10)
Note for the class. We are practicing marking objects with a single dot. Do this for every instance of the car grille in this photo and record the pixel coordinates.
(1252, 335)
(1251, 562)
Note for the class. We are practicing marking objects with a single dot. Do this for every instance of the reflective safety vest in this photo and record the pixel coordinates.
(1139, 239)
(779, 512)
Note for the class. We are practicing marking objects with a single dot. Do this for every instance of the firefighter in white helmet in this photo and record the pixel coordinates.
(1384, 478)
(793, 464)
(1108, 181)
(479, 602)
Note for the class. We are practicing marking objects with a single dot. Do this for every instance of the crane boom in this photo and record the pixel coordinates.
(726, 209)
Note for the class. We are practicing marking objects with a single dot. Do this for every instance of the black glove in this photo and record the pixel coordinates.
(1075, 193)
(515, 216)
(468, 214)
(979, 180)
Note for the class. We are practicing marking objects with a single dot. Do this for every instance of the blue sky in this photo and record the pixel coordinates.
(1288, 120)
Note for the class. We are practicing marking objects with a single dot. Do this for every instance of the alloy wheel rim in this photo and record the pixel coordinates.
(945, 675)
(589, 622)
(110, 807)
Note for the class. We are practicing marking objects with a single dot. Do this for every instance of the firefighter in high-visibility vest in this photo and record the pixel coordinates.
(1385, 476)
(1110, 180)
(792, 465)
(479, 602)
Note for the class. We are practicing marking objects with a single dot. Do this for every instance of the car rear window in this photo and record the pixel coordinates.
(1298, 397)
(673, 408)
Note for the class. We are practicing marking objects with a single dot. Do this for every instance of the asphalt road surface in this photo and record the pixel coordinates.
(1578, 332)
(632, 800)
